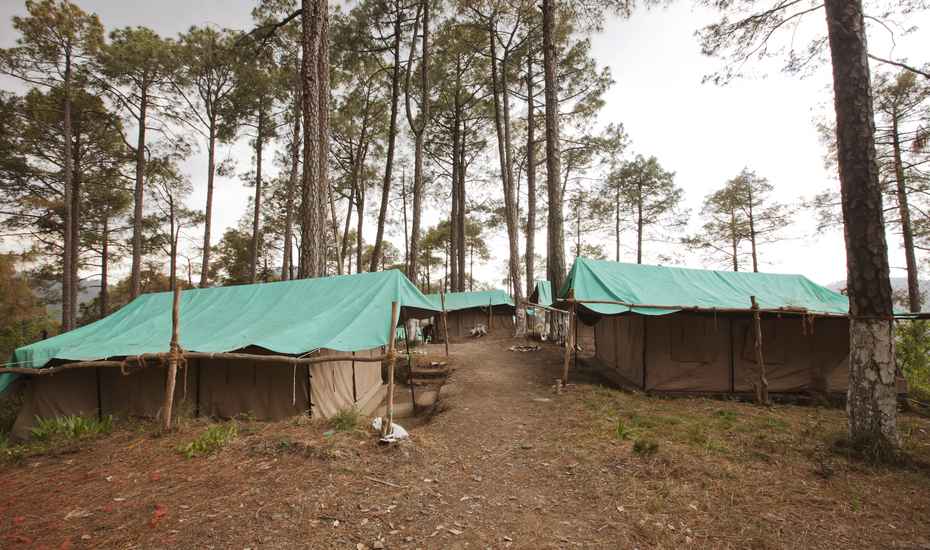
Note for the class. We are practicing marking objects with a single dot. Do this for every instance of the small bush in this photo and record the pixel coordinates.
(71, 427)
(345, 420)
(211, 440)
(10, 404)
(645, 447)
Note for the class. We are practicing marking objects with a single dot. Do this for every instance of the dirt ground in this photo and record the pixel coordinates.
(505, 463)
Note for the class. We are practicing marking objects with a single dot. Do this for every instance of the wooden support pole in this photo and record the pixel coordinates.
(762, 387)
(490, 314)
(173, 358)
(445, 322)
(387, 425)
(570, 340)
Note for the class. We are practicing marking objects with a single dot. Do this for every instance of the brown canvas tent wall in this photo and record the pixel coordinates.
(462, 321)
(217, 388)
(698, 352)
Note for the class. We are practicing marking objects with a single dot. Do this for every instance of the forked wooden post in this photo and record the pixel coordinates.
(762, 387)
(445, 322)
(173, 357)
(387, 425)
(570, 340)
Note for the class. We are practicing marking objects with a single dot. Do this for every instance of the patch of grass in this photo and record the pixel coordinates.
(70, 427)
(211, 440)
(345, 420)
(645, 447)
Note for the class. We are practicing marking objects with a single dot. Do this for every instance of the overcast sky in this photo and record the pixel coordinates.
(704, 133)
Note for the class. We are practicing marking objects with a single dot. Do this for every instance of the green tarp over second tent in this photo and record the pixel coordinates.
(465, 300)
(542, 294)
(344, 313)
(678, 288)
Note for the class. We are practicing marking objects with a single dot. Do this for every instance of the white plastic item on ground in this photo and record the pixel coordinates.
(398, 433)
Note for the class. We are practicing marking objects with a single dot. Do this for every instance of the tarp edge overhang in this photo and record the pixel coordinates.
(364, 326)
(641, 289)
(455, 301)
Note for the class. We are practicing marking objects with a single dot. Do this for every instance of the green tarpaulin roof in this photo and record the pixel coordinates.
(542, 294)
(681, 288)
(345, 313)
(464, 300)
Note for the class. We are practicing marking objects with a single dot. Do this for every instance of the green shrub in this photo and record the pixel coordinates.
(211, 440)
(645, 447)
(71, 427)
(345, 420)
(912, 351)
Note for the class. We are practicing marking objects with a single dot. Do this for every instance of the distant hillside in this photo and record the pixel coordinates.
(88, 289)
(898, 289)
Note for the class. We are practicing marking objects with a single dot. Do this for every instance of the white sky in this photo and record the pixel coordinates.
(704, 133)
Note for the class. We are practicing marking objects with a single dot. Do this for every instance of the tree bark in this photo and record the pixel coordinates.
(68, 254)
(904, 210)
(639, 221)
(292, 183)
(322, 186)
(257, 203)
(208, 212)
(530, 179)
(752, 227)
(74, 283)
(312, 230)
(104, 267)
(555, 265)
(138, 198)
(418, 143)
(392, 139)
(734, 242)
(872, 399)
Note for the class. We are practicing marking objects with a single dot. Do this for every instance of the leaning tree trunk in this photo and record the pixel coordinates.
(555, 265)
(530, 178)
(871, 401)
(392, 139)
(138, 197)
(208, 212)
(419, 133)
(904, 209)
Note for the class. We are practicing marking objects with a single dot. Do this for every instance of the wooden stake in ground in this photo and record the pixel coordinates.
(387, 425)
(762, 387)
(570, 340)
(490, 315)
(173, 357)
(445, 322)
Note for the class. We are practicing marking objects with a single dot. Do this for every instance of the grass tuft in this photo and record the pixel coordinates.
(70, 427)
(645, 447)
(211, 440)
(345, 420)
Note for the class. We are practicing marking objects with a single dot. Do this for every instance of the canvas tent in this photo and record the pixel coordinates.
(672, 329)
(542, 296)
(349, 314)
(466, 310)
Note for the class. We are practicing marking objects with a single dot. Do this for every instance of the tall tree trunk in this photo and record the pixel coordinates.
(344, 241)
(555, 264)
(462, 206)
(173, 260)
(67, 257)
(74, 283)
(104, 267)
(292, 183)
(456, 160)
(872, 398)
(359, 241)
(501, 96)
(904, 210)
(734, 240)
(208, 212)
(392, 139)
(324, 189)
(530, 179)
(639, 222)
(138, 197)
(257, 203)
(312, 207)
(419, 133)
(403, 195)
(617, 222)
(752, 228)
